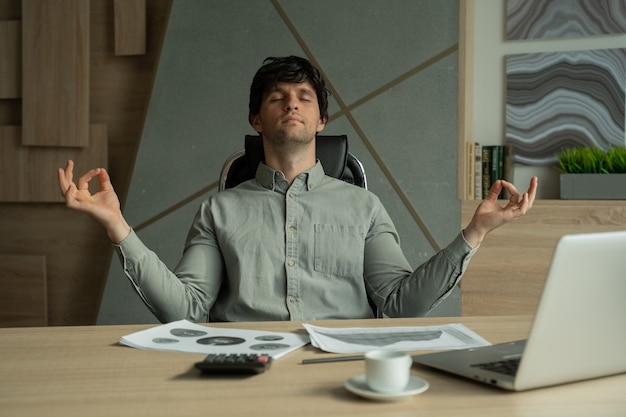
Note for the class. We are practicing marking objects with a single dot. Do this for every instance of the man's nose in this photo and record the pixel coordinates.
(291, 103)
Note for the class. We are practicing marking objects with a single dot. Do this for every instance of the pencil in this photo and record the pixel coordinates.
(334, 359)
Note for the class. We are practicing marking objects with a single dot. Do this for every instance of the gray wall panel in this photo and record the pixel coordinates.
(418, 142)
(363, 45)
(198, 112)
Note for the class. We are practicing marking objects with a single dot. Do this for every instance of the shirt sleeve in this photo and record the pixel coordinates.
(400, 290)
(188, 292)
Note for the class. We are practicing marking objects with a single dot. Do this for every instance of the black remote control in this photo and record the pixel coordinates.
(235, 363)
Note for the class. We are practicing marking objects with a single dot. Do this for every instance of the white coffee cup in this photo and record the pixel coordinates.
(387, 371)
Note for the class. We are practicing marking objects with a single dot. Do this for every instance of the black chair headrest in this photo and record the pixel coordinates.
(332, 151)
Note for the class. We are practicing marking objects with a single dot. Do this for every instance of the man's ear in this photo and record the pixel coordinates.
(321, 125)
(255, 121)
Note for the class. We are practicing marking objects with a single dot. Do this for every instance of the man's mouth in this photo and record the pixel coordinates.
(292, 119)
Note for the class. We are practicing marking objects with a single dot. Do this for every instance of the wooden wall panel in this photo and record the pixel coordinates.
(23, 299)
(55, 50)
(10, 59)
(77, 255)
(76, 248)
(121, 85)
(507, 273)
(28, 174)
(130, 27)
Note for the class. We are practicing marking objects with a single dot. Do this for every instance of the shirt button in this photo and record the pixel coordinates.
(292, 228)
(291, 195)
(292, 300)
(291, 263)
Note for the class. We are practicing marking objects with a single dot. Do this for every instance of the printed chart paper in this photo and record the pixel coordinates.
(356, 339)
(185, 336)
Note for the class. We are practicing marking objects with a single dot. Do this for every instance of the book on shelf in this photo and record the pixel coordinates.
(486, 164)
(478, 169)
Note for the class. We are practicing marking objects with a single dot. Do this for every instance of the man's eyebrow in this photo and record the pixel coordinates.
(302, 89)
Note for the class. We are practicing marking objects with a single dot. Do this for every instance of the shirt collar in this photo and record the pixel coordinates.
(269, 178)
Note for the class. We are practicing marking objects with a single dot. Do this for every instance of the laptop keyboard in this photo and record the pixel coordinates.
(506, 367)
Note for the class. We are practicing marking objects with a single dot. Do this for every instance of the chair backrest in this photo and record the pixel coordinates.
(332, 151)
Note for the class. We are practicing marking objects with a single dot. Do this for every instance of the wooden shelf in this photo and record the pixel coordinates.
(506, 275)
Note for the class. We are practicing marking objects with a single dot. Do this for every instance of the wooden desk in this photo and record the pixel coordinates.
(83, 371)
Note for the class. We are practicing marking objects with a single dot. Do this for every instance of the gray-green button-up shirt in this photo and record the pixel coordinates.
(318, 248)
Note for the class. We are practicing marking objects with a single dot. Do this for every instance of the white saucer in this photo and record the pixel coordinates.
(358, 386)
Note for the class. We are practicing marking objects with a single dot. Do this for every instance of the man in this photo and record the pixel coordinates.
(292, 243)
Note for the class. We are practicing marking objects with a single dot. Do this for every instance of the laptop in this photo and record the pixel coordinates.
(579, 328)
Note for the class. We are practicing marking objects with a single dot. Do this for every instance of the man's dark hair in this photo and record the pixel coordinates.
(291, 69)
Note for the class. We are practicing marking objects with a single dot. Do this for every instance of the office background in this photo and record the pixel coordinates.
(167, 109)
(392, 69)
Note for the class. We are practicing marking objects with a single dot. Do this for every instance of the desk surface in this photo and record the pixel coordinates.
(83, 371)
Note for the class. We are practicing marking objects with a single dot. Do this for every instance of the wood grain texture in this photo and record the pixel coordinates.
(10, 9)
(23, 299)
(507, 273)
(82, 371)
(77, 255)
(77, 250)
(121, 85)
(37, 180)
(11, 109)
(10, 59)
(466, 94)
(55, 50)
(130, 27)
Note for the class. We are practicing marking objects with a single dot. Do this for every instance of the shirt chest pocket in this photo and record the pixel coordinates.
(339, 250)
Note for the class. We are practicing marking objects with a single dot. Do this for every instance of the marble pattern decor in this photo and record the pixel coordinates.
(560, 99)
(542, 19)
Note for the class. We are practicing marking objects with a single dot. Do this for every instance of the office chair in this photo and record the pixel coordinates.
(332, 151)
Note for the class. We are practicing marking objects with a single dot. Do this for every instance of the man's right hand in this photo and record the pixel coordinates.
(104, 205)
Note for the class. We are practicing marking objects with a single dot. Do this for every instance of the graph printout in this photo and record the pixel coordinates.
(356, 339)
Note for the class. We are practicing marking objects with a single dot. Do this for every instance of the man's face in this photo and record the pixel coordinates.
(289, 114)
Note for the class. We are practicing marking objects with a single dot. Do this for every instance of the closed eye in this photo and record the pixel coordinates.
(275, 98)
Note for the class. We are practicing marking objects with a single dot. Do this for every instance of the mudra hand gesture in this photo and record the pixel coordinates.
(104, 205)
(490, 215)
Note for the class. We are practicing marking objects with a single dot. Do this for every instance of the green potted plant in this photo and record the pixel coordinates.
(591, 173)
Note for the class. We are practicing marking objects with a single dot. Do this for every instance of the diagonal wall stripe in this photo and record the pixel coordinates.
(176, 206)
(346, 110)
(395, 81)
